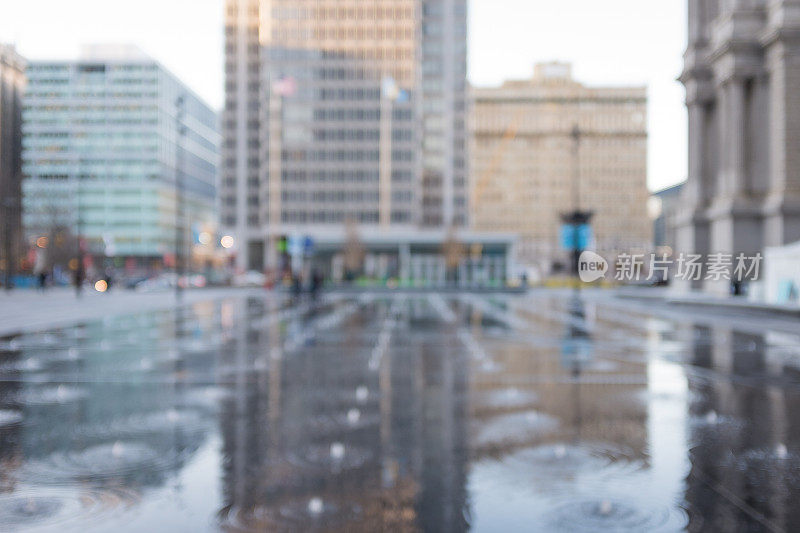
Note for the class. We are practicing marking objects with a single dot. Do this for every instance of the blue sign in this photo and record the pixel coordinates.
(308, 245)
(567, 236)
(295, 246)
(576, 237)
(584, 236)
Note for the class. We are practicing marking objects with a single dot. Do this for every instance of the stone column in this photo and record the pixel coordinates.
(736, 149)
(723, 133)
(735, 219)
(696, 186)
(690, 222)
(782, 206)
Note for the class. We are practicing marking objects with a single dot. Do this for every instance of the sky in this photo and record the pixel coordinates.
(616, 42)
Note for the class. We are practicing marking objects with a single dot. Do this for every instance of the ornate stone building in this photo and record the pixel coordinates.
(742, 78)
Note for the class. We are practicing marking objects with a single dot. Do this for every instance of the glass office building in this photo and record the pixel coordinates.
(342, 110)
(115, 148)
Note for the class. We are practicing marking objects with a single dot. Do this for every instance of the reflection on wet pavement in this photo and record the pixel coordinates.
(400, 412)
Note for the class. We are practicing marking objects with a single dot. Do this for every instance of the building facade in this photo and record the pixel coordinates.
(118, 151)
(742, 78)
(549, 145)
(666, 206)
(12, 87)
(341, 111)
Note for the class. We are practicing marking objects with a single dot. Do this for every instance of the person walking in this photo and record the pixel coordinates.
(40, 269)
(297, 287)
(316, 283)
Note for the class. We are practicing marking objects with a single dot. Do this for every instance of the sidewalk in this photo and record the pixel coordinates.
(27, 310)
(705, 300)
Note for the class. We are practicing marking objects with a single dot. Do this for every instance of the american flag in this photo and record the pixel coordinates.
(285, 86)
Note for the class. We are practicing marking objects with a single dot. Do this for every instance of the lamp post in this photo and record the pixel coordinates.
(80, 271)
(577, 221)
(180, 131)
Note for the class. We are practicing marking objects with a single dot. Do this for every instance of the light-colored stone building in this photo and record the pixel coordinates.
(524, 172)
(314, 135)
(742, 78)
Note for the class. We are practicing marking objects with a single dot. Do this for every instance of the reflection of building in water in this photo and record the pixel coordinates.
(562, 388)
(324, 437)
(11, 452)
(744, 433)
(112, 405)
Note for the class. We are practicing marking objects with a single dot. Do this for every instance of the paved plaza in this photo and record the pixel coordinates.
(251, 411)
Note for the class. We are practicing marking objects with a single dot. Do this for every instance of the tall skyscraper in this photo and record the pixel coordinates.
(340, 111)
(742, 79)
(119, 151)
(12, 86)
(550, 145)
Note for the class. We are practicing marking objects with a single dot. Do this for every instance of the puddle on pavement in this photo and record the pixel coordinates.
(406, 412)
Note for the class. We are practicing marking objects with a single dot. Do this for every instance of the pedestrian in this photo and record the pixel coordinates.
(297, 286)
(40, 269)
(316, 283)
(109, 278)
(79, 278)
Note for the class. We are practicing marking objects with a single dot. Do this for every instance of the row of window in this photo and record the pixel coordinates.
(398, 135)
(330, 196)
(353, 12)
(322, 217)
(346, 114)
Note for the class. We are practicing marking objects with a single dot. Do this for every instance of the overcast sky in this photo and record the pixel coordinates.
(609, 43)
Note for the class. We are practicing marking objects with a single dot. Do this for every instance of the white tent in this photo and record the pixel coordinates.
(782, 274)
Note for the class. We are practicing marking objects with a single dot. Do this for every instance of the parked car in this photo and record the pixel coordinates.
(251, 278)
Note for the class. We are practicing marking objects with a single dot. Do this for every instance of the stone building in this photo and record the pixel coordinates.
(549, 145)
(12, 86)
(742, 78)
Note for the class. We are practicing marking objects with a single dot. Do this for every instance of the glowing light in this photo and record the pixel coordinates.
(41, 242)
(73, 264)
(101, 286)
(227, 242)
(315, 506)
(204, 238)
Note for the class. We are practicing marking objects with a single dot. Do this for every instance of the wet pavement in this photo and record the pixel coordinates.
(544, 412)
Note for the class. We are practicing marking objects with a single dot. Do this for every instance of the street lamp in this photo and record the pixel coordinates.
(80, 273)
(577, 222)
(180, 131)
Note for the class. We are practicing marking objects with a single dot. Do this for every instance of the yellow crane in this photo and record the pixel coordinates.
(496, 160)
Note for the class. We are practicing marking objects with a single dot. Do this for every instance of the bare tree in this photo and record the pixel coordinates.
(353, 250)
(54, 220)
(454, 252)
